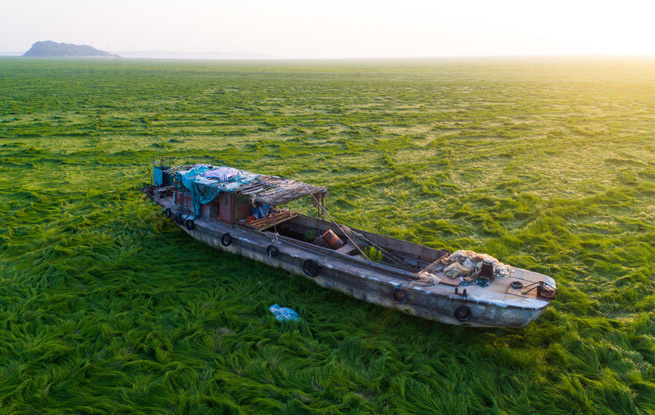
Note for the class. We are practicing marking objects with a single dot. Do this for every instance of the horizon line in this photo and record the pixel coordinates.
(274, 58)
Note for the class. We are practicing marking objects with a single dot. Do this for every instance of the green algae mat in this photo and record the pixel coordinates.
(107, 307)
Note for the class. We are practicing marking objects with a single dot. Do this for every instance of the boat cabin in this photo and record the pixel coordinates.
(231, 195)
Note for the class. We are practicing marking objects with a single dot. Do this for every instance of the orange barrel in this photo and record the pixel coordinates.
(332, 239)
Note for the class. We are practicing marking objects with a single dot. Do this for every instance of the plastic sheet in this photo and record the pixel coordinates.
(223, 173)
(283, 313)
(157, 176)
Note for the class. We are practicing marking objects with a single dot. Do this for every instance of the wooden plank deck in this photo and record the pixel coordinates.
(271, 220)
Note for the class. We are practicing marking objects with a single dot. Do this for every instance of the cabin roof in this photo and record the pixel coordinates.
(275, 190)
(271, 190)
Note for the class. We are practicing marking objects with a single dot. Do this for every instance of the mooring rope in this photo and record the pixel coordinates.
(335, 223)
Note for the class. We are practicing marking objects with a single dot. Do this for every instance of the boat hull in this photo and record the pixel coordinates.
(364, 280)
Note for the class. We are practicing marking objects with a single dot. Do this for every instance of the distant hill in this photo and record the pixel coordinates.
(50, 49)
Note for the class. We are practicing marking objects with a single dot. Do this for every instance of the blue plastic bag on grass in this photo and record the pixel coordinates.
(283, 313)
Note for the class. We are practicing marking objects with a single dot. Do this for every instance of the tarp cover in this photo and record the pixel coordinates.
(205, 182)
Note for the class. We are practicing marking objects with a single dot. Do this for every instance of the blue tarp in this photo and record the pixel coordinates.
(220, 179)
(157, 177)
(262, 211)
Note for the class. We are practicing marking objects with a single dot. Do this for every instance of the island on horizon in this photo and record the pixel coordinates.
(50, 49)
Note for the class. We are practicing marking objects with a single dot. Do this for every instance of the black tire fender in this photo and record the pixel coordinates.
(190, 224)
(311, 268)
(399, 296)
(272, 251)
(226, 239)
(168, 212)
(462, 313)
(178, 218)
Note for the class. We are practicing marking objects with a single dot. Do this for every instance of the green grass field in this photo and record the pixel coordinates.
(107, 307)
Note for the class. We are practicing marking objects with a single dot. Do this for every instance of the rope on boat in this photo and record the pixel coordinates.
(275, 235)
(362, 238)
(403, 273)
(335, 223)
(388, 254)
(366, 241)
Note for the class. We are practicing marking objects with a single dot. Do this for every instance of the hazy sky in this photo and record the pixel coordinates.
(336, 28)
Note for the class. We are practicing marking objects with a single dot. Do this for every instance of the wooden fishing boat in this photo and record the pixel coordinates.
(240, 212)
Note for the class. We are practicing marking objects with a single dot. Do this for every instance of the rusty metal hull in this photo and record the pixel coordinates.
(372, 282)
